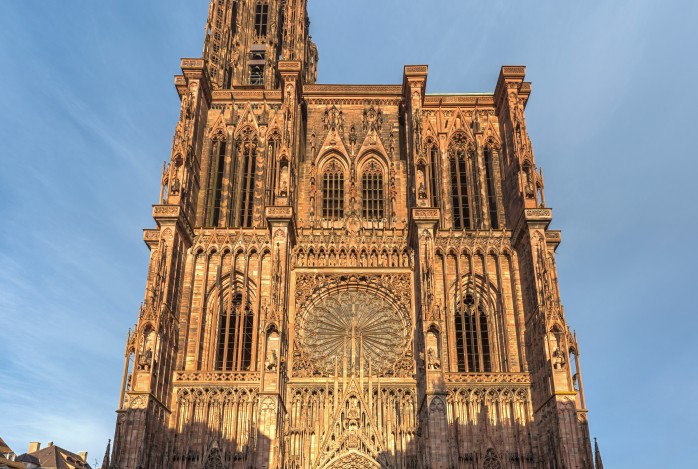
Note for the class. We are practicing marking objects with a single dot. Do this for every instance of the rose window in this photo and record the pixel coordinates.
(352, 326)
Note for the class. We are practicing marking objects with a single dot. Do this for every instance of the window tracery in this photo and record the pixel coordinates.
(433, 174)
(275, 173)
(333, 192)
(235, 334)
(458, 155)
(216, 177)
(372, 192)
(491, 460)
(261, 19)
(490, 183)
(247, 150)
(472, 335)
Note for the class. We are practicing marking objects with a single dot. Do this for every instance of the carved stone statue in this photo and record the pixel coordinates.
(433, 361)
(272, 361)
(559, 360)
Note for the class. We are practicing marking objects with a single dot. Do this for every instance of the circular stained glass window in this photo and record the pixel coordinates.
(351, 325)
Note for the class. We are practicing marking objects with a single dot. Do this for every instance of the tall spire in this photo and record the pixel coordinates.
(597, 455)
(245, 39)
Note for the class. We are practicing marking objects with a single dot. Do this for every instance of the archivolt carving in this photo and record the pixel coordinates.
(491, 460)
(214, 460)
(353, 460)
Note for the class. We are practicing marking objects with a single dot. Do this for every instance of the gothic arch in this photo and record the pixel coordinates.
(476, 284)
(365, 158)
(491, 460)
(327, 157)
(352, 460)
(247, 130)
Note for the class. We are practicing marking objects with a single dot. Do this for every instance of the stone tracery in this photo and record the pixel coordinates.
(353, 326)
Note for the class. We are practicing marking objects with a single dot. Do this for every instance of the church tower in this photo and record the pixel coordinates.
(346, 276)
(246, 39)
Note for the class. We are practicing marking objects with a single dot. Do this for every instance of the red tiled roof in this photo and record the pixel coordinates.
(55, 457)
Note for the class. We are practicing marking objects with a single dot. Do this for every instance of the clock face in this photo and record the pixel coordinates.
(353, 325)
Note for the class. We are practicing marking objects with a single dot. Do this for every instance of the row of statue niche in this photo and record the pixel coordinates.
(364, 259)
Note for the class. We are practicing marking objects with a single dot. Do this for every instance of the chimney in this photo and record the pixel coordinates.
(49, 444)
(83, 455)
(34, 446)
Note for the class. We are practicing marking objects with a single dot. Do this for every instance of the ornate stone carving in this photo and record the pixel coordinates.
(215, 377)
(353, 327)
(334, 309)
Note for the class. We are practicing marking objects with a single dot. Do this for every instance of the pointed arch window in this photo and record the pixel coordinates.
(433, 174)
(490, 182)
(261, 19)
(333, 192)
(235, 334)
(247, 148)
(215, 184)
(273, 171)
(234, 18)
(472, 336)
(458, 154)
(372, 192)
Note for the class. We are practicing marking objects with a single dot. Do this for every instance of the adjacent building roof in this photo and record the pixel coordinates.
(54, 457)
(4, 462)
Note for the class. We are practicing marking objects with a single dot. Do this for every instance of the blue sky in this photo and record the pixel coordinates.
(86, 118)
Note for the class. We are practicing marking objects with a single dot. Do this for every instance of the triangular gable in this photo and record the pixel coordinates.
(359, 434)
(218, 127)
(491, 132)
(372, 144)
(247, 119)
(459, 123)
(333, 142)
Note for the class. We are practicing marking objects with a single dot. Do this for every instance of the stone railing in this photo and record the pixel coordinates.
(488, 378)
(216, 376)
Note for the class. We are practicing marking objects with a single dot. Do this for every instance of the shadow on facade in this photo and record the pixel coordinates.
(460, 437)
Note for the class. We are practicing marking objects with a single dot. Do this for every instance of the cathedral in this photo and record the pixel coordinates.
(346, 276)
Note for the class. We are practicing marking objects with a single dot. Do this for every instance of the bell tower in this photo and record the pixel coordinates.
(245, 39)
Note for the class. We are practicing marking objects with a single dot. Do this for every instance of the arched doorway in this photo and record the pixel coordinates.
(353, 460)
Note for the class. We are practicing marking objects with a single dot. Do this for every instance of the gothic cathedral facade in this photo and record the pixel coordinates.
(346, 276)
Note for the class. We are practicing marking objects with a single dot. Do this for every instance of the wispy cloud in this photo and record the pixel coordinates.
(87, 116)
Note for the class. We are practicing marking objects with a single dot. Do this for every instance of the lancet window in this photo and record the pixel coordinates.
(333, 192)
(472, 336)
(235, 335)
(215, 184)
(491, 193)
(273, 171)
(458, 157)
(234, 18)
(261, 19)
(247, 148)
(433, 174)
(372, 192)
